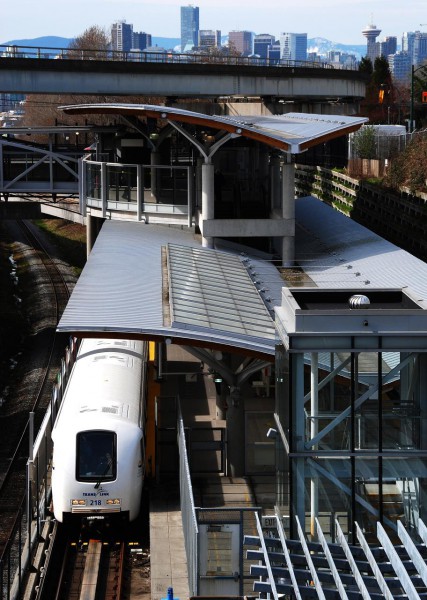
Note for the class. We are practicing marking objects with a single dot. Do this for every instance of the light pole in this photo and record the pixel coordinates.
(411, 113)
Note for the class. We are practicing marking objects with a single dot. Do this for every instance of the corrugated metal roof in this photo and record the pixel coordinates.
(291, 132)
(212, 289)
(337, 252)
(210, 298)
(223, 297)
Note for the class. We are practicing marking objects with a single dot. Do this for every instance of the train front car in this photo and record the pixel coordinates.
(98, 454)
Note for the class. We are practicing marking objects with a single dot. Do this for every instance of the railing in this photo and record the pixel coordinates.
(189, 519)
(140, 190)
(49, 53)
(17, 555)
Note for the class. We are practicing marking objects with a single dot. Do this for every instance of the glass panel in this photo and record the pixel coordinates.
(329, 419)
(122, 183)
(399, 495)
(367, 409)
(367, 495)
(326, 490)
(409, 478)
(167, 186)
(93, 180)
(401, 427)
(96, 456)
(260, 455)
(392, 424)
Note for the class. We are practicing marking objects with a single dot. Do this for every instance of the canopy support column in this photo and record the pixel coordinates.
(208, 208)
(288, 211)
(235, 434)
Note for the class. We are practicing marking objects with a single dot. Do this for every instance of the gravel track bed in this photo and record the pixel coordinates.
(39, 307)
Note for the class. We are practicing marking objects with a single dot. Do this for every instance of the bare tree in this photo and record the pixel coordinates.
(42, 109)
(93, 43)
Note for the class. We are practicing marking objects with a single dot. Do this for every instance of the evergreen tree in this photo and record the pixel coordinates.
(365, 143)
(365, 66)
(381, 74)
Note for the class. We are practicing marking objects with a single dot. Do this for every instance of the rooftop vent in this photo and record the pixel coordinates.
(359, 301)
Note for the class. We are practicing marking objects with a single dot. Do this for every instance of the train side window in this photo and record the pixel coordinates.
(96, 456)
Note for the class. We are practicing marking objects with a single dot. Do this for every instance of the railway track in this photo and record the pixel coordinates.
(15, 439)
(92, 570)
(89, 569)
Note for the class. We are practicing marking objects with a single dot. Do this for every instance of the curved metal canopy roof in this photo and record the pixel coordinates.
(291, 132)
(156, 282)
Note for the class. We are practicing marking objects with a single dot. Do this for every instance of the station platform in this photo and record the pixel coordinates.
(168, 558)
(198, 400)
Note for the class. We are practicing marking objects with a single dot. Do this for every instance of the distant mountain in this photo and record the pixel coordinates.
(52, 41)
(48, 41)
(165, 42)
(322, 46)
(316, 44)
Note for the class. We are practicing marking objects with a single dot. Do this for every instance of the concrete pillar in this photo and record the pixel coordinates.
(314, 428)
(198, 199)
(208, 210)
(90, 233)
(139, 191)
(93, 227)
(82, 169)
(235, 434)
(154, 160)
(275, 182)
(288, 213)
(104, 189)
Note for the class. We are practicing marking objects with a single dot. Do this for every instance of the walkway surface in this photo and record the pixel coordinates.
(168, 557)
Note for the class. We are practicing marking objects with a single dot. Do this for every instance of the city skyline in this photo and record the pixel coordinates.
(335, 20)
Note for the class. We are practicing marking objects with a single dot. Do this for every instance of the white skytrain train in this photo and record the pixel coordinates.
(98, 437)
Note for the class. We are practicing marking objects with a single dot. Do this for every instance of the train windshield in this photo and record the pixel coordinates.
(96, 456)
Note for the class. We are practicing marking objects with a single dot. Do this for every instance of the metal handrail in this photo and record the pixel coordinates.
(50, 53)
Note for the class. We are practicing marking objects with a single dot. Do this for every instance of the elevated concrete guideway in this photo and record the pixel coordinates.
(41, 76)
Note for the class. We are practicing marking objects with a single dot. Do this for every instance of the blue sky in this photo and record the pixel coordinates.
(337, 20)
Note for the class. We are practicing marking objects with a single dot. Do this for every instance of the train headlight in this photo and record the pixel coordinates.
(114, 501)
(78, 502)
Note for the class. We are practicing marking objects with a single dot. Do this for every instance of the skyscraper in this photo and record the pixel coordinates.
(400, 66)
(263, 42)
(241, 41)
(121, 36)
(209, 38)
(293, 46)
(388, 46)
(408, 43)
(420, 48)
(414, 43)
(189, 27)
(141, 40)
(371, 33)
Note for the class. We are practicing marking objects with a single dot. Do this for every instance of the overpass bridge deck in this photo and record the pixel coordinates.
(167, 75)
